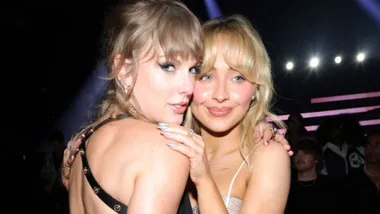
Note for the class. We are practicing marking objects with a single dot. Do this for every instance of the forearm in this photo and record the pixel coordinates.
(209, 198)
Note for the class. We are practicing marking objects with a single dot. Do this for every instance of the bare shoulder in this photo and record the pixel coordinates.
(139, 131)
(271, 167)
(138, 141)
(271, 160)
(274, 152)
(162, 172)
(146, 138)
(269, 181)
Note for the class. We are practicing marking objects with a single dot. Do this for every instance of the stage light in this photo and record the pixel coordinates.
(289, 66)
(360, 57)
(314, 62)
(338, 59)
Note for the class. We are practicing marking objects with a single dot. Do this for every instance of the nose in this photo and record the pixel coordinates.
(220, 92)
(186, 86)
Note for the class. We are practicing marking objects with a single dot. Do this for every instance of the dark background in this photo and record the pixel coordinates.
(53, 46)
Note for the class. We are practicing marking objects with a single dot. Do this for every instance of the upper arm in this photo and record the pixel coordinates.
(268, 188)
(161, 183)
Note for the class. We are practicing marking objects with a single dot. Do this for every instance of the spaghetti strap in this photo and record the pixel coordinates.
(232, 183)
(233, 179)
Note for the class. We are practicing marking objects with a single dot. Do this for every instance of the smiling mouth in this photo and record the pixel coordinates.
(219, 112)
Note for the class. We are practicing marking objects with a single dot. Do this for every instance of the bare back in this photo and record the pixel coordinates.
(130, 161)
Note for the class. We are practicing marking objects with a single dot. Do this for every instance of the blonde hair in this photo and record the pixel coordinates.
(133, 26)
(244, 51)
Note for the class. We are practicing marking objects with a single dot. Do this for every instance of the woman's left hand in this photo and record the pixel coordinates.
(191, 145)
(264, 132)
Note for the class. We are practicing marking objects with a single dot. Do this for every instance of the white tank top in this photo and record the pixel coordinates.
(233, 204)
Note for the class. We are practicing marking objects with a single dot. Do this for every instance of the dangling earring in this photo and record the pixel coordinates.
(126, 87)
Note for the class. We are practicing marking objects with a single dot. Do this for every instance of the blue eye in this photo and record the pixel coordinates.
(195, 70)
(167, 67)
(239, 78)
(205, 77)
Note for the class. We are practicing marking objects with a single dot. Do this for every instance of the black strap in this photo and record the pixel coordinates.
(111, 202)
(185, 205)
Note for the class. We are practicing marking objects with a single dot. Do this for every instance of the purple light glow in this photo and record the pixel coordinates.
(213, 10)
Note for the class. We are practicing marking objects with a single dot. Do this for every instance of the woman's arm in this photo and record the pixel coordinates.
(268, 188)
(209, 199)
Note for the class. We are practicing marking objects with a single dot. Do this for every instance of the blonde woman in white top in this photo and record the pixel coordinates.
(231, 170)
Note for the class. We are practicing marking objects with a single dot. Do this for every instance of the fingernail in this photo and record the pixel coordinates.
(162, 126)
(165, 133)
(171, 145)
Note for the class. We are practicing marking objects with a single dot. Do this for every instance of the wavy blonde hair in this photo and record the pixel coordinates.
(130, 28)
(244, 51)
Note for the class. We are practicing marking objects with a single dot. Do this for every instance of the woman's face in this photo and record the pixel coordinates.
(163, 88)
(221, 97)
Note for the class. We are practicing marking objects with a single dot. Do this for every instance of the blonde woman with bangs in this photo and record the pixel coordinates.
(153, 52)
(231, 170)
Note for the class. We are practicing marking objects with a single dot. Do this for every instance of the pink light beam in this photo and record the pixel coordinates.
(362, 123)
(345, 97)
(330, 112)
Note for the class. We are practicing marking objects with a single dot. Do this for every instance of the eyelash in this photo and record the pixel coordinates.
(197, 70)
(202, 77)
(240, 80)
(168, 67)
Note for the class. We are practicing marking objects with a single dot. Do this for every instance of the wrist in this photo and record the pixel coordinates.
(205, 183)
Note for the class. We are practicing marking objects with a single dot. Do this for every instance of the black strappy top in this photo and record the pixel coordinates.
(114, 204)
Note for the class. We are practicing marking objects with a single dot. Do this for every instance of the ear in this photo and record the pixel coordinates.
(124, 76)
(117, 59)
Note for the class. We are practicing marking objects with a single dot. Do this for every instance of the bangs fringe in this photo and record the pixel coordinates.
(179, 37)
(238, 52)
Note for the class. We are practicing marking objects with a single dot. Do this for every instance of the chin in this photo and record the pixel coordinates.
(173, 119)
(219, 127)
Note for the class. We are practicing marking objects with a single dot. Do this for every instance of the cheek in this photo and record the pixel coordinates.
(243, 94)
(150, 79)
(310, 160)
(201, 93)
